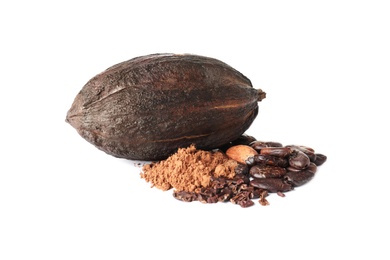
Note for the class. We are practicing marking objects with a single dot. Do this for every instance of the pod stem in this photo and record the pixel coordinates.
(260, 95)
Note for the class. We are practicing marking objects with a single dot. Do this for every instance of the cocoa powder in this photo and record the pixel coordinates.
(188, 169)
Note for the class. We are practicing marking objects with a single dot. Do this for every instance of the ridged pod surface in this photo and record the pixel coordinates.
(147, 107)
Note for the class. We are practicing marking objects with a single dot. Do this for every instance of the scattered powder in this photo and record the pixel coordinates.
(188, 169)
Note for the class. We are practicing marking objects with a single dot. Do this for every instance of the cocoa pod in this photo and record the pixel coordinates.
(148, 107)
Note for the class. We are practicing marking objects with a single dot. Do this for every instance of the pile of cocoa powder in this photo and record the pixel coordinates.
(188, 169)
(239, 172)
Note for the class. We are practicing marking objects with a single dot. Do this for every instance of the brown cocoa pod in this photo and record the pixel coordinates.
(148, 107)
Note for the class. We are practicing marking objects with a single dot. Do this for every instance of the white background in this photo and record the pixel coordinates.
(324, 65)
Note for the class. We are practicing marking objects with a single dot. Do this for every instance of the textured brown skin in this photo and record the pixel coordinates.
(147, 107)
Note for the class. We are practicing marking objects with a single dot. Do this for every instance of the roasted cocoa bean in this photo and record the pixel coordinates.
(298, 178)
(241, 169)
(298, 160)
(250, 161)
(274, 144)
(267, 171)
(271, 184)
(312, 168)
(276, 151)
(292, 169)
(244, 140)
(320, 159)
(258, 145)
(270, 160)
(306, 150)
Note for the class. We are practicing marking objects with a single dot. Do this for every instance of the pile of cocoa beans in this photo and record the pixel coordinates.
(264, 167)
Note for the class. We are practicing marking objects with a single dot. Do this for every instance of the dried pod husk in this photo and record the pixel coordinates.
(148, 107)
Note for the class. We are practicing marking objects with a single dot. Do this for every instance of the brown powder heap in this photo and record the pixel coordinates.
(188, 169)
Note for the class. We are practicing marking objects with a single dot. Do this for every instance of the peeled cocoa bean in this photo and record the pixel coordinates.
(240, 153)
(148, 107)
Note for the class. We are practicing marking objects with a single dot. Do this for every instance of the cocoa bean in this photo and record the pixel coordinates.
(320, 159)
(298, 160)
(271, 184)
(276, 151)
(306, 150)
(270, 160)
(298, 178)
(267, 171)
